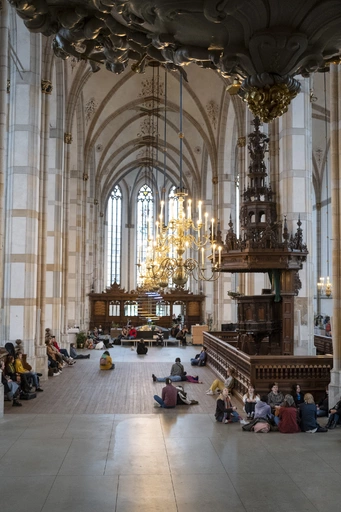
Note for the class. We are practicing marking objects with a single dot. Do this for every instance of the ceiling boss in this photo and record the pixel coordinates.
(260, 45)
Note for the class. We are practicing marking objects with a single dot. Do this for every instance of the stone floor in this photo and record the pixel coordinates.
(174, 460)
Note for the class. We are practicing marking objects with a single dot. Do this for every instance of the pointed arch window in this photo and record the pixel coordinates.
(114, 236)
(144, 222)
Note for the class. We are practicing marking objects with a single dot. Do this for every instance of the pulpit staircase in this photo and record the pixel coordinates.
(147, 302)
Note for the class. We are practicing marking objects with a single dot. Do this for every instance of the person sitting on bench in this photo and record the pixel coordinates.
(20, 369)
(11, 388)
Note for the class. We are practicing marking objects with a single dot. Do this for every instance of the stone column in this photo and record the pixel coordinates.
(22, 190)
(295, 199)
(4, 22)
(335, 148)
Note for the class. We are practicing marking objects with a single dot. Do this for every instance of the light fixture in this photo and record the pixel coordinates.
(171, 260)
(324, 285)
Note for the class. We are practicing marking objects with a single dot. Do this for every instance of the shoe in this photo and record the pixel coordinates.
(39, 374)
(16, 404)
(88, 356)
(252, 415)
(153, 377)
(243, 422)
(225, 421)
(56, 374)
(331, 426)
(209, 392)
(248, 416)
(39, 390)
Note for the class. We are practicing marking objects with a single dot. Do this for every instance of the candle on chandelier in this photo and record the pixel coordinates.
(206, 221)
(161, 213)
(202, 256)
(199, 209)
(213, 253)
(212, 233)
(189, 207)
(219, 258)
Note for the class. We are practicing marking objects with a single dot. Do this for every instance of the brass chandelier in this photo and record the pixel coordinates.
(170, 254)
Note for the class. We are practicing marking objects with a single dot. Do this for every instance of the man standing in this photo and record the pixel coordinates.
(169, 396)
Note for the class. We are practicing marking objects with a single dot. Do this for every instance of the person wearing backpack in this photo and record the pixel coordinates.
(105, 362)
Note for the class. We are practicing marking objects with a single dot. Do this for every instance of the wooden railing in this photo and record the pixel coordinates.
(311, 372)
(323, 344)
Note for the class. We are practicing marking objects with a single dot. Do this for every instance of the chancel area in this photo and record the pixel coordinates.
(170, 178)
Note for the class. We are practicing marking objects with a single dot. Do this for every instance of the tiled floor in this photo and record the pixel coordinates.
(161, 461)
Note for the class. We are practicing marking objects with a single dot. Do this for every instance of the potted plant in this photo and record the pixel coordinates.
(81, 338)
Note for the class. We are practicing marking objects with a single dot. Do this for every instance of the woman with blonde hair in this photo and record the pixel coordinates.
(224, 408)
(250, 399)
(218, 384)
(308, 415)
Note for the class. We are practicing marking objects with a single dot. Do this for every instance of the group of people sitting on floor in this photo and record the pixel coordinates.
(289, 414)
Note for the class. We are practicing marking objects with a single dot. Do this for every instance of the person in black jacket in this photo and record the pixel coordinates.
(335, 414)
(297, 395)
(323, 405)
(141, 347)
(224, 408)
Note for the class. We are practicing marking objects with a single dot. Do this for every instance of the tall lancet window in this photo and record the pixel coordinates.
(144, 222)
(114, 236)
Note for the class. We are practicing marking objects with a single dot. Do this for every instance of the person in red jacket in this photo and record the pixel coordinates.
(288, 423)
(132, 333)
(169, 396)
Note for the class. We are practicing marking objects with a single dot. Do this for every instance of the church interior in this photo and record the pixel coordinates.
(172, 167)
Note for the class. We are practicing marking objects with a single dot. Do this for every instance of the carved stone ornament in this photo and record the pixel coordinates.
(241, 142)
(213, 112)
(259, 42)
(67, 138)
(46, 87)
(89, 109)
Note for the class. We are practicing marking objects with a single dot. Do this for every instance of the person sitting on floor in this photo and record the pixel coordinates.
(218, 384)
(250, 400)
(183, 399)
(11, 388)
(308, 415)
(105, 362)
(323, 405)
(74, 354)
(275, 398)
(141, 347)
(176, 374)
(288, 417)
(169, 396)
(335, 414)
(224, 409)
(297, 395)
(201, 359)
(20, 369)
